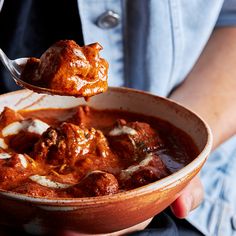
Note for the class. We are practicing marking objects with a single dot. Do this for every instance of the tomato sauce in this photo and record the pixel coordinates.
(84, 152)
(68, 69)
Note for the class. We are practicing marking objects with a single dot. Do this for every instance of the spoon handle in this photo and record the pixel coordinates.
(10, 65)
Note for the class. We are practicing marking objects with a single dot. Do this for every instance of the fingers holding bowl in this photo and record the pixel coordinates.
(190, 198)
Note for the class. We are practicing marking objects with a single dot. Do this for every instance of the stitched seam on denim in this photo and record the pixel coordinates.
(176, 40)
(124, 32)
(222, 217)
(173, 61)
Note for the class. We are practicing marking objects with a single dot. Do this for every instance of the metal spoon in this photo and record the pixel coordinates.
(15, 67)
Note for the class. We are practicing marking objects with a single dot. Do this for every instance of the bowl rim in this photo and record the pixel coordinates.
(166, 182)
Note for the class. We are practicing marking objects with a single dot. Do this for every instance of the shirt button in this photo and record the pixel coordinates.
(108, 20)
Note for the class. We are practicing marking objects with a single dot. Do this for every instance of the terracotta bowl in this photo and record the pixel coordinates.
(106, 214)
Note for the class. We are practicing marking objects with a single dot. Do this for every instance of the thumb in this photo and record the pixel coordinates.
(190, 198)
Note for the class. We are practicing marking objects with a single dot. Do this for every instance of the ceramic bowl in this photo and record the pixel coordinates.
(106, 214)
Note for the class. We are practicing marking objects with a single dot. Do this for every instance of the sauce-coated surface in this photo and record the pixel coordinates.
(69, 69)
(82, 152)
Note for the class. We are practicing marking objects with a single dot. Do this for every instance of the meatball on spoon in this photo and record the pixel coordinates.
(64, 69)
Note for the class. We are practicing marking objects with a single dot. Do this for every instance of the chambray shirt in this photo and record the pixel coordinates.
(153, 48)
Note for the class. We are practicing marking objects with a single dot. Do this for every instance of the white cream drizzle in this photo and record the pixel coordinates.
(3, 145)
(131, 169)
(11, 129)
(32, 126)
(23, 160)
(4, 155)
(35, 126)
(44, 181)
(122, 130)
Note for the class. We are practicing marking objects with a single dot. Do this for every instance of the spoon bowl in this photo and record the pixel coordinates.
(15, 68)
(65, 69)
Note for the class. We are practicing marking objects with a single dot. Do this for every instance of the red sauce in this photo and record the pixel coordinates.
(69, 69)
(87, 152)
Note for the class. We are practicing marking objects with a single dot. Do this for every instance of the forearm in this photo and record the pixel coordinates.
(210, 88)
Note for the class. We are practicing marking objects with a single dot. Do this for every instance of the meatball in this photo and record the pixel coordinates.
(150, 169)
(18, 133)
(9, 116)
(14, 169)
(69, 69)
(133, 140)
(68, 143)
(23, 142)
(96, 183)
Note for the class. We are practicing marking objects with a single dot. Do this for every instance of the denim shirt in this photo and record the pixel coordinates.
(153, 48)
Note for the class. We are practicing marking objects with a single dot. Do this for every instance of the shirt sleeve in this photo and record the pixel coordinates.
(227, 15)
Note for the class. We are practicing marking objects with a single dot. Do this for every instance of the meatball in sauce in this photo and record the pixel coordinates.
(69, 69)
(84, 152)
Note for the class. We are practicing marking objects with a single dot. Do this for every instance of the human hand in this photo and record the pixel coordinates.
(190, 198)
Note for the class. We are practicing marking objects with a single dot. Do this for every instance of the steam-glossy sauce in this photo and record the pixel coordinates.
(83, 152)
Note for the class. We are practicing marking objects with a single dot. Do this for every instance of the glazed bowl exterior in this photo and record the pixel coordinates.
(106, 214)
